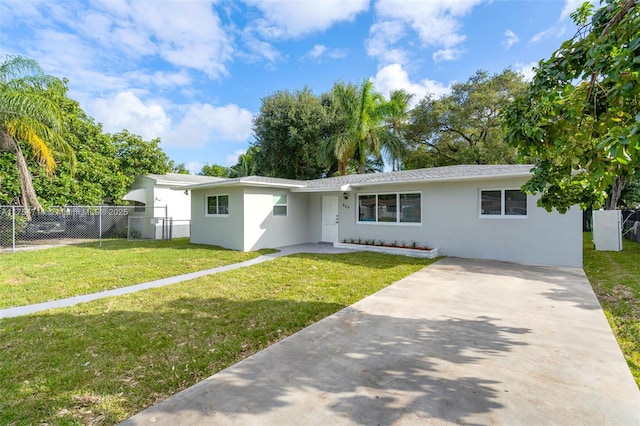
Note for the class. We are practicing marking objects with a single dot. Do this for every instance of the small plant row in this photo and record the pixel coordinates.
(382, 243)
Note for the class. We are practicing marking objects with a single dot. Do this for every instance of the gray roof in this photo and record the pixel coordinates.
(446, 173)
(182, 179)
(433, 174)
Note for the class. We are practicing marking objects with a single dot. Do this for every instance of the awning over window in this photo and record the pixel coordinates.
(138, 195)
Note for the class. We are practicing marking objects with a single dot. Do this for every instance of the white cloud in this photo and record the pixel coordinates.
(527, 70)
(437, 23)
(232, 159)
(394, 77)
(289, 19)
(510, 38)
(554, 31)
(194, 167)
(318, 51)
(205, 123)
(126, 110)
(382, 38)
(447, 55)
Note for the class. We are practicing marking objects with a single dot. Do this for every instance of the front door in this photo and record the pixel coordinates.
(330, 219)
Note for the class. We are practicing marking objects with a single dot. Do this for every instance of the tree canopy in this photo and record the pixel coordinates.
(463, 127)
(579, 119)
(91, 167)
(369, 125)
(31, 120)
(288, 129)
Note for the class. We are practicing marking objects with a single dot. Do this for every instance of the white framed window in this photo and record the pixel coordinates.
(280, 206)
(503, 203)
(390, 208)
(217, 205)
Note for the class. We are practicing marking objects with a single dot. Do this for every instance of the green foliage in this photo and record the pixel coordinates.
(615, 279)
(30, 119)
(180, 168)
(579, 119)
(463, 127)
(91, 167)
(368, 125)
(214, 170)
(137, 156)
(288, 129)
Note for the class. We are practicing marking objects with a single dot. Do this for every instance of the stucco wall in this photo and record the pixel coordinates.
(178, 203)
(225, 231)
(451, 221)
(315, 217)
(264, 230)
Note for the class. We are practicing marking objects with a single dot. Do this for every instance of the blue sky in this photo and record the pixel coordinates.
(194, 72)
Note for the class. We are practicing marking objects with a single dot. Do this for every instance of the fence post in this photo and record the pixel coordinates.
(100, 224)
(13, 229)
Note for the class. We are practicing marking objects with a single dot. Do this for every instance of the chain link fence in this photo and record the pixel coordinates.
(22, 229)
(631, 225)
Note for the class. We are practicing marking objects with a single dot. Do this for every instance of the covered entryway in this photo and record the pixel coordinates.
(330, 219)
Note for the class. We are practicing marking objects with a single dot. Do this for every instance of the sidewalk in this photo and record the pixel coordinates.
(71, 301)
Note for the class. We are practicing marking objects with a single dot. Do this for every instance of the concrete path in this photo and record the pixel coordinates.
(63, 303)
(460, 342)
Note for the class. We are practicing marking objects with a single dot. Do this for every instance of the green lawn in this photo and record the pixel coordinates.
(615, 278)
(101, 362)
(38, 276)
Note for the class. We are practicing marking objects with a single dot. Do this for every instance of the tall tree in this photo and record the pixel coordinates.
(287, 131)
(138, 157)
(31, 120)
(214, 170)
(463, 127)
(396, 117)
(363, 133)
(580, 118)
(246, 165)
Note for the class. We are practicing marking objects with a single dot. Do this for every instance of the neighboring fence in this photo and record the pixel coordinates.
(631, 225)
(22, 229)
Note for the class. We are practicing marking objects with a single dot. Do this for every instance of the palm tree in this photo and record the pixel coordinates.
(396, 115)
(371, 125)
(362, 109)
(30, 118)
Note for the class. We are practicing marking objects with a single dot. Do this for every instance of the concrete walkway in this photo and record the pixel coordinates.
(63, 303)
(460, 342)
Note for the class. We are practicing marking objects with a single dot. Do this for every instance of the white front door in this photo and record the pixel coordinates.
(330, 219)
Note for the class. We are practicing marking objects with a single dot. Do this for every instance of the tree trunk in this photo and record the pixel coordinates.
(28, 193)
(616, 191)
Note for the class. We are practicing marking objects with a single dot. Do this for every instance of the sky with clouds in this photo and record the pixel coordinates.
(193, 73)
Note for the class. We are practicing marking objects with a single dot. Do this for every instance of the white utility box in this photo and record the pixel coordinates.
(607, 230)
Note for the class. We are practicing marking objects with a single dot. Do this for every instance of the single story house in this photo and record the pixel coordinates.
(159, 203)
(474, 211)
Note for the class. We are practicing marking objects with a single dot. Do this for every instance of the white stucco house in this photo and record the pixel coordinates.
(475, 211)
(162, 203)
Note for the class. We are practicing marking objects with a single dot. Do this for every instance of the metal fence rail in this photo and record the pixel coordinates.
(27, 229)
(631, 225)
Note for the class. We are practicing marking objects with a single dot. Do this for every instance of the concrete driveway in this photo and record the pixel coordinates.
(462, 341)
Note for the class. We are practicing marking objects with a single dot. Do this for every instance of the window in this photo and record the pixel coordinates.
(503, 202)
(217, 205)
(390, 208)
(279, 205)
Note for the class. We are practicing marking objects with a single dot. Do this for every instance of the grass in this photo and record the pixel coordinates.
(615, 278)
(38, 276)
(101, 362)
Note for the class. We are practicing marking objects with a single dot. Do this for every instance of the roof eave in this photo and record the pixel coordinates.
(227, 183)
